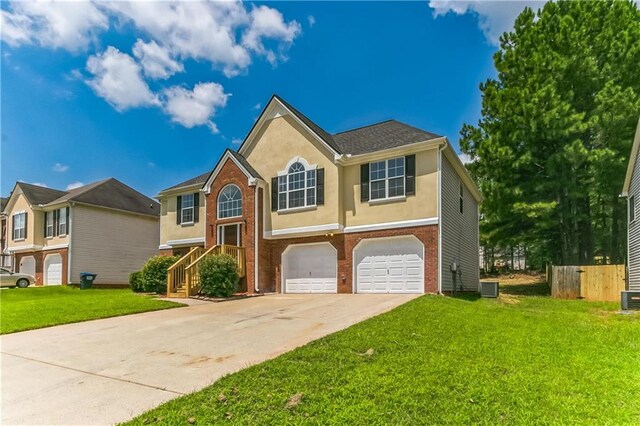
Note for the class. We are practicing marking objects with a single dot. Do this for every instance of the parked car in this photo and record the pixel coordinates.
(15, 279)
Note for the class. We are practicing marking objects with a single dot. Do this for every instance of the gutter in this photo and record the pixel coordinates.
(440, 149)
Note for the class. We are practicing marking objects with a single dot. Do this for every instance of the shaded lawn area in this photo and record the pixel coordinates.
(38, 307)
(442, 360)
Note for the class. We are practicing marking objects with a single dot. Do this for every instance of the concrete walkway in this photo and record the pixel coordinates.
(108, 371)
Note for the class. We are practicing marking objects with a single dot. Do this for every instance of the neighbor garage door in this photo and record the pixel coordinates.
(310, 268)
(389, 265)
(53, 269)
(28, 265)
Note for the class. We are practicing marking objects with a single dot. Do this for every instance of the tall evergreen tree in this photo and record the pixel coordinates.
(551, 148)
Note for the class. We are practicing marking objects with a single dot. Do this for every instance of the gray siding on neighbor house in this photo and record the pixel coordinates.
(459, 232)
(634, 229)
(110, 243)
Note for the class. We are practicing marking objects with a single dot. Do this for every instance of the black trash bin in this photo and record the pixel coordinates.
(86, 280)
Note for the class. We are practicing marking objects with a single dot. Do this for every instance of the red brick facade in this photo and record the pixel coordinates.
(344, 244)
(40, 257)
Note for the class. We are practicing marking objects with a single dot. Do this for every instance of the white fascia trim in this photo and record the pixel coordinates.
(164, 247)
(632, 162)
(171, 243)
(390, 152)
(55, 247)
(304, 230)
(22, 248)
(392, 225)
(207, 185)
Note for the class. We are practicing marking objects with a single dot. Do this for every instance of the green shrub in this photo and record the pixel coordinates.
(218, 275)
(154, 273)
(135, 281)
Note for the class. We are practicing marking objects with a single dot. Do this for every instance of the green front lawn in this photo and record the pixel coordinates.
(37, 307)
(522, 359)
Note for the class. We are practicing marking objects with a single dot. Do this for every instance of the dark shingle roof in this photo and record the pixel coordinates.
(200, 179)
(380, 136)
(245, 163)
(37, 195)
(113, 194)
(3, 203)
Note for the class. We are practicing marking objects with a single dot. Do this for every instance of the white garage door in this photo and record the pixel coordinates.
(310, 268)
(28, 265)
(53, 269)
(390, 265)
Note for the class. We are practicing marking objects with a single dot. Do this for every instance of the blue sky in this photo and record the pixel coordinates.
(94, 92)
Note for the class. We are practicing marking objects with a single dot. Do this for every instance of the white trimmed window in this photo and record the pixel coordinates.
(20, 226)
(297, 188)
(186, 211)
(50, 224)
(387, 179)
(62, 221)
(229, 202)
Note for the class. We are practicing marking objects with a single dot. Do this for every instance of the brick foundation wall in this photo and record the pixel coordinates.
(39, 257)
(344, 244)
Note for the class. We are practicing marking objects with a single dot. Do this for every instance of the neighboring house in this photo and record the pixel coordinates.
(5, 257)
(631, 190)
(105, 227)
(381, 208)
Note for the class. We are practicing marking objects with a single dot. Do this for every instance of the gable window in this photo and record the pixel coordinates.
(62, 220)
(230, 202)
(297, 188)
(49, 224)
(461, 198)
(632, 208)
(387, 179)
(20, 226)
(186, 211)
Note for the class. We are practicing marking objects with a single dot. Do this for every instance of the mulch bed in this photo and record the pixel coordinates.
(236, 296)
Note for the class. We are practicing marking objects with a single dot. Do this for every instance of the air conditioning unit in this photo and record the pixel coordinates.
(489, 288)
(630, 300)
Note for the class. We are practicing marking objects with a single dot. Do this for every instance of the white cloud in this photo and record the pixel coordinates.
(236, 141)
(69, 25)
(151, 164)
(312, 20)
(156, 60)
(118, 79)
(494, 17)
(194, 107)
(44, 185)
(257, 106)
(465, 158)
(268, 23)
(74, 185)
(60, 168)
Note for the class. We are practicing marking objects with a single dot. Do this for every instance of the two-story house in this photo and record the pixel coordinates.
(105, 227)
(381, 208)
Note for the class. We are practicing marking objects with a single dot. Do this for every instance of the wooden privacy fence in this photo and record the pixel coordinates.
(597, 282)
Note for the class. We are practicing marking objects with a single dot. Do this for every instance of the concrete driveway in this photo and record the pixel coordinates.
(107, 371)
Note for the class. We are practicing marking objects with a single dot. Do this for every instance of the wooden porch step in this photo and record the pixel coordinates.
(178, 294)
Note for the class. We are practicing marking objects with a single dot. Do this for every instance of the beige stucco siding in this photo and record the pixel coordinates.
(21, 204)
(169, 229)
(279, 141)
(110, 243)
(422, 205)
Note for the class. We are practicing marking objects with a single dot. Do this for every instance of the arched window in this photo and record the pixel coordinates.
(297, 188)
(229, 202)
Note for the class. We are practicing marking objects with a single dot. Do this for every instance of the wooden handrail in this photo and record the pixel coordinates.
(192, 276)
(176, 272)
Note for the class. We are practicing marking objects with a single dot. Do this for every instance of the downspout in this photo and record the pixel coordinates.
(69, 231)
(256, 256)
(440, 149)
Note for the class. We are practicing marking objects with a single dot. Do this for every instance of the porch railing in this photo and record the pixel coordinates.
(176, 273)
(192, 276)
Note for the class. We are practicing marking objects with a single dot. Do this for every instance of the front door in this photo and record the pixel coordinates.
(230, 234)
